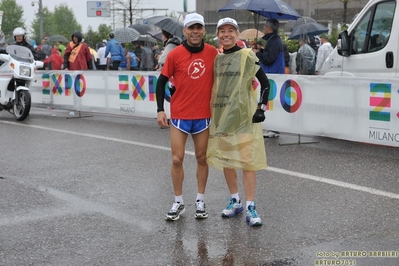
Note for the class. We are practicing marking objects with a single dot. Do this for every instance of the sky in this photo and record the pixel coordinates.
(80, 9)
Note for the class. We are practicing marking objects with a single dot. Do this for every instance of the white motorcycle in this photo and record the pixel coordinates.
(16, 71)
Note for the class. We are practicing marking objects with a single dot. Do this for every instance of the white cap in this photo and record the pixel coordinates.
(193, 18)
(104, 41)
(227, 21)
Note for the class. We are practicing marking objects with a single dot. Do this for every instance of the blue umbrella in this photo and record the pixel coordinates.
(266, 8)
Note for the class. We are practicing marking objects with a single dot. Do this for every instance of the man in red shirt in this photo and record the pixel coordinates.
(191, 66)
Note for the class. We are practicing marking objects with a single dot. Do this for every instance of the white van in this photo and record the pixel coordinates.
(369, 48)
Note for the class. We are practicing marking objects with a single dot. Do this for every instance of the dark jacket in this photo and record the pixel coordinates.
(28, 45)
(272, 56)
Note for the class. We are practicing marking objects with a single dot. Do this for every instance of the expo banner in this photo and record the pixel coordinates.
(356, 109)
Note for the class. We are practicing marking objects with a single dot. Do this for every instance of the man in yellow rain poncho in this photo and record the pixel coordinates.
(236, 139)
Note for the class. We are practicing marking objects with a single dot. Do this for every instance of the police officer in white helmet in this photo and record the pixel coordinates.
(19, 37)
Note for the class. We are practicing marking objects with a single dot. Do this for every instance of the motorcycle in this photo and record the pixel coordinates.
(17, 69)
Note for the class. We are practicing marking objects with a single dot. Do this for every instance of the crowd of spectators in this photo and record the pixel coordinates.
(144, 56)
(141, 55)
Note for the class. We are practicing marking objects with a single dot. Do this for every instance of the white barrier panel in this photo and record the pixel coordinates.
(356, 109)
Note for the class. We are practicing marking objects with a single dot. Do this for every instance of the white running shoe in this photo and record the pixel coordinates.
(271, 134)
(200, 213)
(174, 213)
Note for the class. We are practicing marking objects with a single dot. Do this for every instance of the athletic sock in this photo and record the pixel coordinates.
(235, 196)
(250, 203)
(200, 197)
(179, 199)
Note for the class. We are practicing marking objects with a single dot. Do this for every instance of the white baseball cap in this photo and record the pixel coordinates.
(227, 21)
(193, 18)
(104, 41)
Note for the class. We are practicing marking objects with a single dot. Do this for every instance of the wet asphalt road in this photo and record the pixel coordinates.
(95, 191)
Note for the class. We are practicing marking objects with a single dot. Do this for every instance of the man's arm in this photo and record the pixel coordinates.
(160, 92)
(128, 59)
(107, 48)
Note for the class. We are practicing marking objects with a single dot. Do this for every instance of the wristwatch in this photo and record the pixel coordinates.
(262, 107)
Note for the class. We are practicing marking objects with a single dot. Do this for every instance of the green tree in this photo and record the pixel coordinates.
(47, 24)
(103, 31)
(91, 38)
(12, 16)
(65, 22)
(60, 22)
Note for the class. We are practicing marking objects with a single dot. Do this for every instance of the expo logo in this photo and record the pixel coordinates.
(290, 96)
(380, 99)
(53, 83)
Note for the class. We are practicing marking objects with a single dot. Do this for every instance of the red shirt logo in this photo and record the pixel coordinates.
(196, 69)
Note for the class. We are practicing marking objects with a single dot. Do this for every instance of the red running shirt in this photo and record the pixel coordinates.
(193, 78)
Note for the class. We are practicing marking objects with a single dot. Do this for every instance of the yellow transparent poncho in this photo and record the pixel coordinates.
(234, 141)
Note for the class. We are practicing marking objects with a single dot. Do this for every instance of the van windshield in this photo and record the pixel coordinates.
(373, 30)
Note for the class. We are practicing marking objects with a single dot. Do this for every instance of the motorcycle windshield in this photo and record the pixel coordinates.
(20, 53)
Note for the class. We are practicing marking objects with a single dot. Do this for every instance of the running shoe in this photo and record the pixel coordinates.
(174, 213)
(233, 208)
(252, 216)
(271, 134)
(200, 213)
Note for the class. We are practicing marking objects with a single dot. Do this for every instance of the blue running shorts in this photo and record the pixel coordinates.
(191, 126)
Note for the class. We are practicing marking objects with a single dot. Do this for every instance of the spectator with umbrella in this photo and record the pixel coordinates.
(305, 58)
(117, 54)
(146, 60)
(46, 48)
(169, 43)
(272, 56)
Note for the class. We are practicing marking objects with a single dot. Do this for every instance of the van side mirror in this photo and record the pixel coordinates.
(343, 44)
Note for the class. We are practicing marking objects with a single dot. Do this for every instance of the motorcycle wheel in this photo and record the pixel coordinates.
(22, 109)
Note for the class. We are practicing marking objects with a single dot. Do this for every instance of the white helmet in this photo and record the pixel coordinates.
(18, 31)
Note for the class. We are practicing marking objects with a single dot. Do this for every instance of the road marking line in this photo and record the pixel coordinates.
(335, 182)
(271, 169)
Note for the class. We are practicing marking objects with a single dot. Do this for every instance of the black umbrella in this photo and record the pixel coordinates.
(308, 29)
(171, 25)
(157, 34)
(147, 39)
(143, 29)
(153, 20)
(57, 38)
(291, 24)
